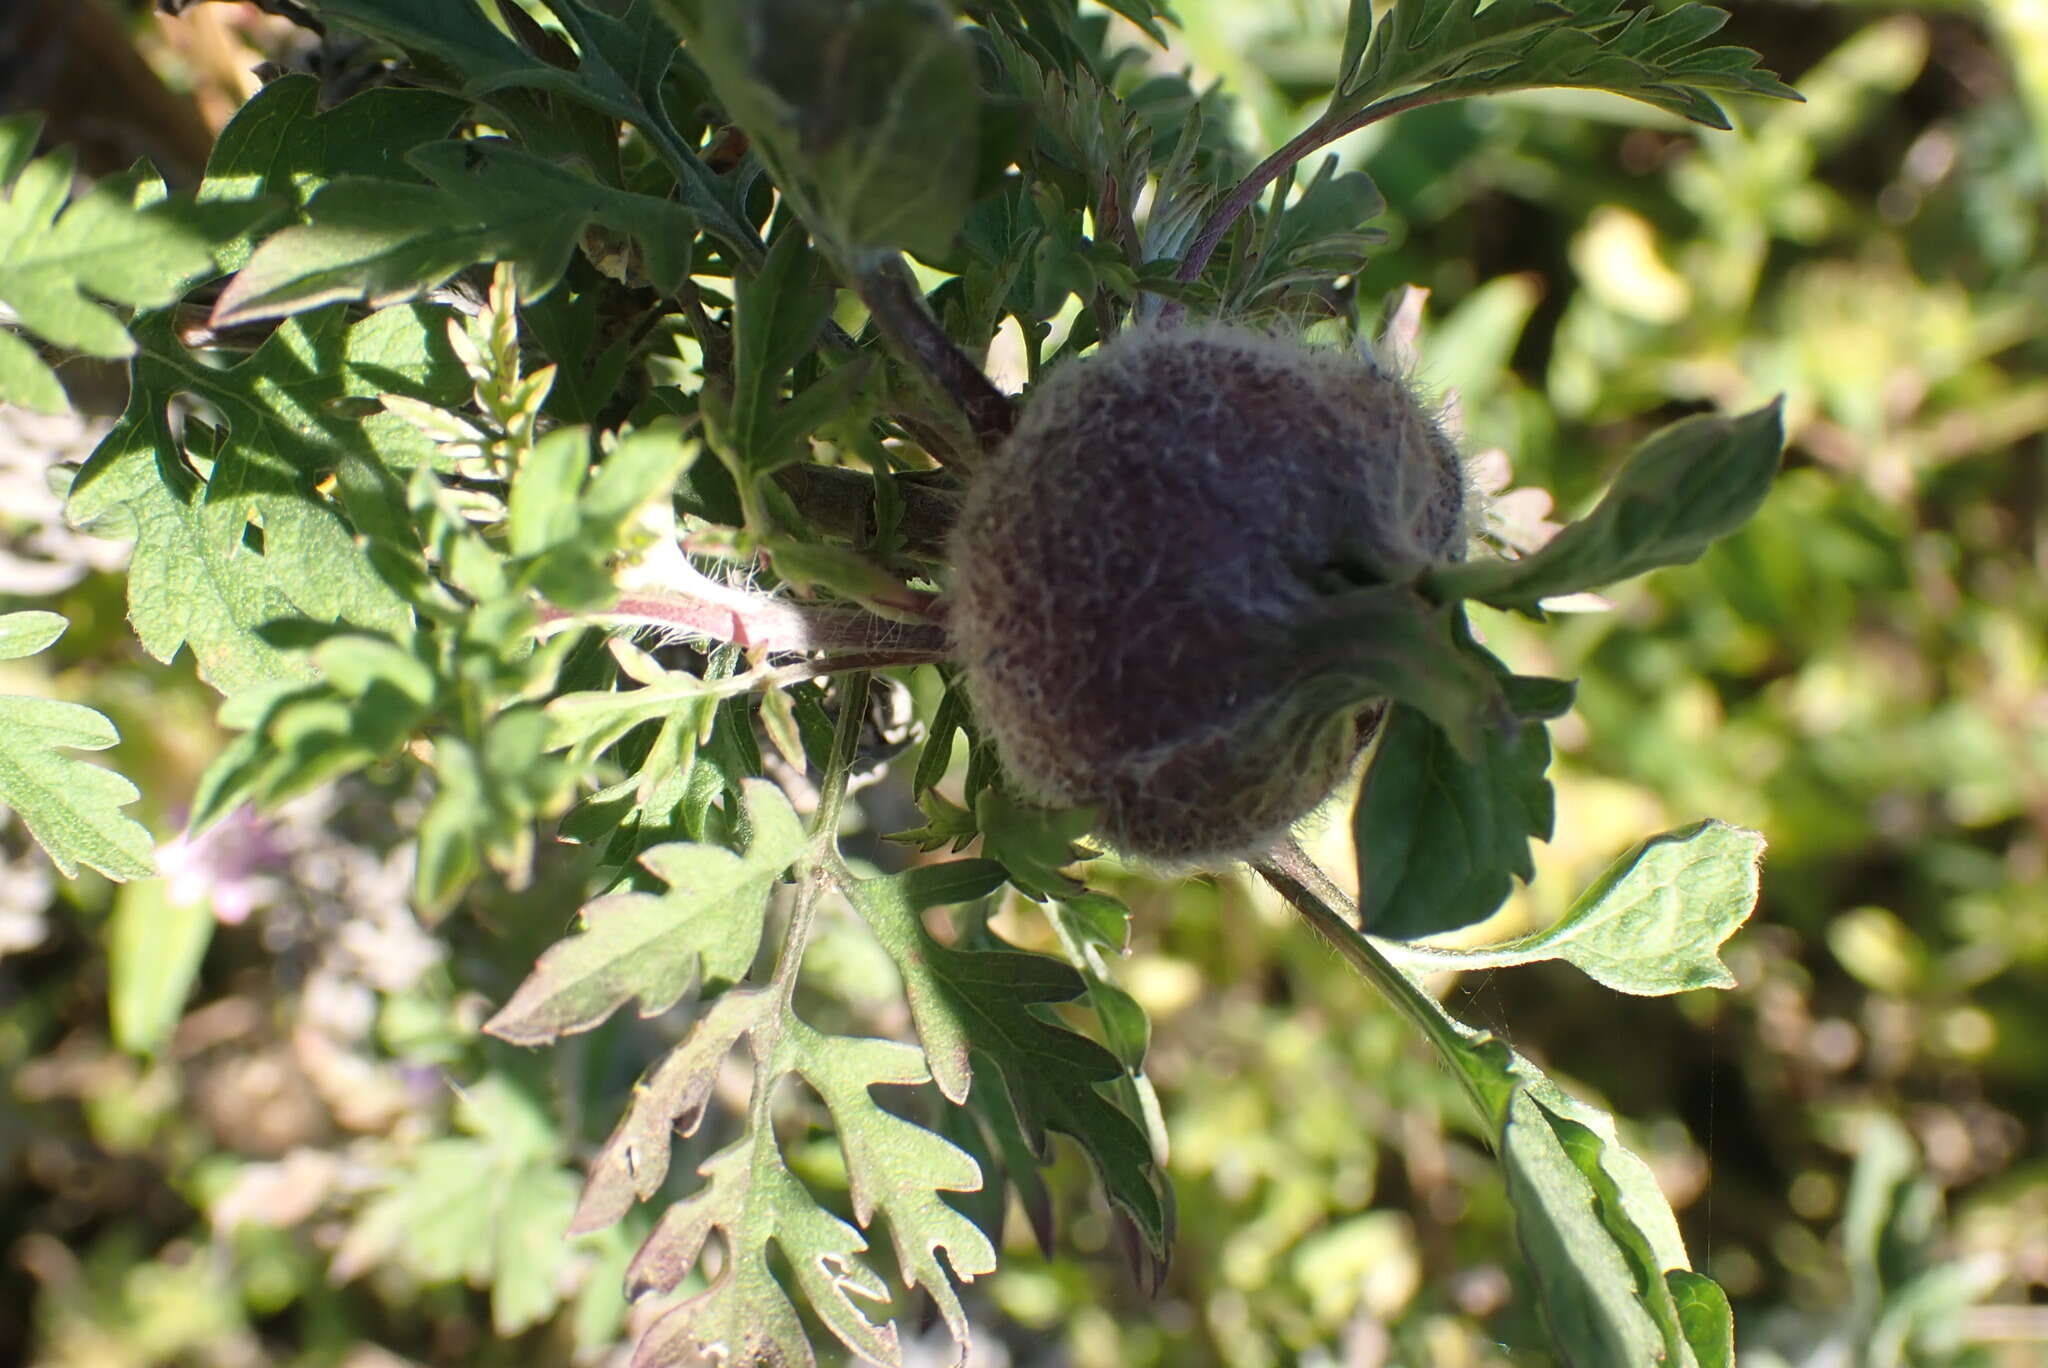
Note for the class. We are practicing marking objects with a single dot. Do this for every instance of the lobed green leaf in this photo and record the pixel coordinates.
(984, 1002)
(237, 526)
(1440, 837)
(122, 242)
(1429, 50)
(659, 948)
(71, 808)
(383, 240)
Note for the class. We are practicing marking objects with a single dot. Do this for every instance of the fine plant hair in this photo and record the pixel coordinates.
(1170, 597)
(1138, 572)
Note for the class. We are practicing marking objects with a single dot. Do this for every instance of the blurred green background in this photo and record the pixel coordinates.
(312, 1158)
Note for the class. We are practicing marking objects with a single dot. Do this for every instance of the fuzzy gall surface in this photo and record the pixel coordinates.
(1133, 570)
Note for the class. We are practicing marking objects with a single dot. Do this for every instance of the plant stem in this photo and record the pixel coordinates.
(702, 607)
(770, 1040)
(891, 294)
(822, 858)
(1331, 915)
(1317, 135)
(841, 503)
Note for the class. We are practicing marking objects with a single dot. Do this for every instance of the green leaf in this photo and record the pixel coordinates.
(623, 63)
(867, 113)
(1596, 1229)
(1034, 844)
(1450, 48)
(780, 313)
(988, 1001)
(1419, 41)
(1322, 234)
(1388, 642)
(1651, 925)
(567, 532)
(72, 808)
(455, 31)
(897, 1169)
(893, 908)
(373, 696)
(155, 944)
(120, 242)
(384, 240)
(1441, 838)
(26, 633)
(751, 1198)
(1658, 58)
(894, 1168)
(235, 526)
(282, 144)
(1689, 485)
(660, 948)
(591, 721)
(26, 380)
(1582, 1273)
(490, 1208)
(669, 1101)
(1146, 14)
(1705, 1316)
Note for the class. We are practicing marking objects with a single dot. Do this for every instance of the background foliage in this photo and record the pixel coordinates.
(253, 1118)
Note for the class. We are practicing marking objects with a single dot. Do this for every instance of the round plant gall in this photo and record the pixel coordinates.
(1137, 575)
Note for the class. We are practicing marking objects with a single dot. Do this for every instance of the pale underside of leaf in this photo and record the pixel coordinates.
(1651, 925)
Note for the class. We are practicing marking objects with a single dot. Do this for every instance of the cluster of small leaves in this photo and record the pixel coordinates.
(393, 509)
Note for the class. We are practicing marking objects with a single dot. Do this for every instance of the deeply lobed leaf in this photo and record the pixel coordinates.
(987, 1002)
(71, 807)
(659, 948)
(1450, 48)
(122, 241)
(383, 240)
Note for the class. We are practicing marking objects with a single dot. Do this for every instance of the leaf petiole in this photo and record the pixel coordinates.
(1331, 915)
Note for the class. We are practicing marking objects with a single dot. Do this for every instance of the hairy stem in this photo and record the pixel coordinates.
(891, 294)
(1331, 915)
(813, 871)
(756, 622)
(1316, 136)
(816, 868)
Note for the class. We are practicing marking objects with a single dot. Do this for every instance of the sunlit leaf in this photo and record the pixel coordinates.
(659, 948)
(1685, 488)
(258, 519)
(1652, 924)
(71, 807)
(122, 242)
